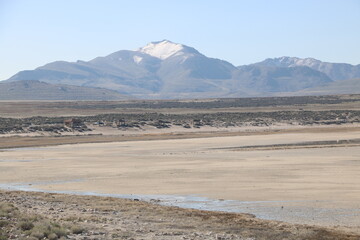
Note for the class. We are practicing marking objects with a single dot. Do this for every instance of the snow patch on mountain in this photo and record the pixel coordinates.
(163, 49)
(294, 61)
(137, 59)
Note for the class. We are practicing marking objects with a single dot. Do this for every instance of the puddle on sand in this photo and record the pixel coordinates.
(6, 160)
(29, 187)
(20, 149)
(288, 211)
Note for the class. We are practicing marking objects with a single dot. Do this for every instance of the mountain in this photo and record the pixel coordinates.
(159, 68)
(166, 69)
(36, 90)
(279, 79)
(336, 71)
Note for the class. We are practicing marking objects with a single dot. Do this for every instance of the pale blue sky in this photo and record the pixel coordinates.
(35, 32)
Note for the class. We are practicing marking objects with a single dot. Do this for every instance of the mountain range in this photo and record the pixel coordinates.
(165, 70)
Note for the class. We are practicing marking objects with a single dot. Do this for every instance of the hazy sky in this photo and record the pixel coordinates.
(35, 32)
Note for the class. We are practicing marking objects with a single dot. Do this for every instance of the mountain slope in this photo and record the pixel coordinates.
(279, 79)
(119, 71)
(350, 86)
(36, 90)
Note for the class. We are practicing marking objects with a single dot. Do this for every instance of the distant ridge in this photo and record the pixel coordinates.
(165, 70)
(336, 71)
(36, 90)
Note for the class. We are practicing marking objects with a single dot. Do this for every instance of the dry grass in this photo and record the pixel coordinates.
(19, 224)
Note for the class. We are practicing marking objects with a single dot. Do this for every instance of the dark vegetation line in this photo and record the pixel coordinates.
(223, 119)
(223, 103)
(223, 116)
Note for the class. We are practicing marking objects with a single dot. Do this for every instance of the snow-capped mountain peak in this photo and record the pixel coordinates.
(291, 62)
(162, 49)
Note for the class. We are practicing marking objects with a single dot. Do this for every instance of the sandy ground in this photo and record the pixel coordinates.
(110, 134)
(303, 180)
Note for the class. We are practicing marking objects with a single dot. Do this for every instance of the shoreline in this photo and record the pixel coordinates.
(107, 217)
(262, 210)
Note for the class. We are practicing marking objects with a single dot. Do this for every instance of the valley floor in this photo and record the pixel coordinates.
(300, 176)
(279, 168)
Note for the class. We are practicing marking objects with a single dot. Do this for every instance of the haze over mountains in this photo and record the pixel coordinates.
(169, 70)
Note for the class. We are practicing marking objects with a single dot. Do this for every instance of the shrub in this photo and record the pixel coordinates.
(46, 229)
(59, 231)
(8, 210)
(26, 225)
(52, 236)
(77, 229)
(4, 223)
(37, 234)
(3, 235)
